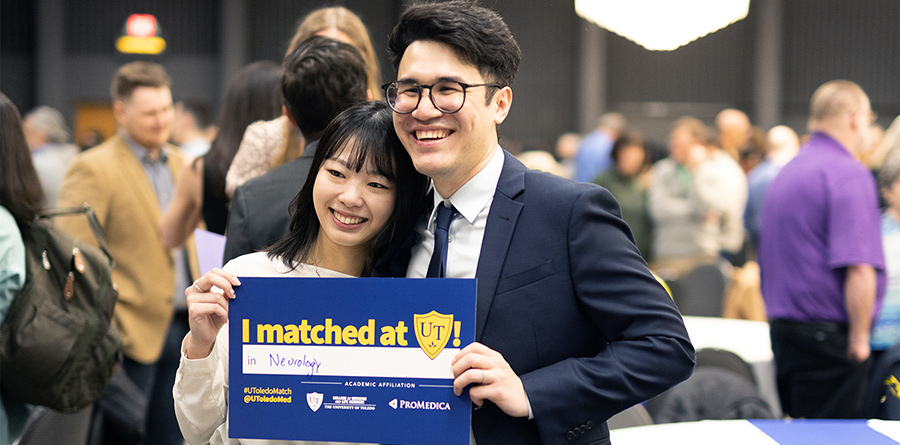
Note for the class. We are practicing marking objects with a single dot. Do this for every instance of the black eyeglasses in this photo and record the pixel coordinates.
(448, 96)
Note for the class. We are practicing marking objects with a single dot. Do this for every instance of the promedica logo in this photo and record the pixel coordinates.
(419, 404)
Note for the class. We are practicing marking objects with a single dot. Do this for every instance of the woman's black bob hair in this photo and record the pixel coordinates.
(366, 132)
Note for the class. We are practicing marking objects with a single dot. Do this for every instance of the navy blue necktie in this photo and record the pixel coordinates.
(437, 268)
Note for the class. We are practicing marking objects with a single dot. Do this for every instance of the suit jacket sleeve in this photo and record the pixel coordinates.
(237, 234)
(643, 345)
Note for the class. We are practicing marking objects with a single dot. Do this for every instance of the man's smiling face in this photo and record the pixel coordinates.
(449, 148)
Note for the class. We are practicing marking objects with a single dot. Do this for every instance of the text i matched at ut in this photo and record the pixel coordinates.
(349, 360)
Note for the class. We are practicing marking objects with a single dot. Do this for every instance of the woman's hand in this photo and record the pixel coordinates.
(207, 301)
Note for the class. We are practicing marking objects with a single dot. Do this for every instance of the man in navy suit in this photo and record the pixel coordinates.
(571, 325)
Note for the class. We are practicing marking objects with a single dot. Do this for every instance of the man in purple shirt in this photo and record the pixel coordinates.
(821, 260)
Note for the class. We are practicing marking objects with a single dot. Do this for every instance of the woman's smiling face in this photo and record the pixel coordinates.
(352, 206)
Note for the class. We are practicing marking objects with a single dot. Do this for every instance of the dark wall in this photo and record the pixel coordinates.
(653, 88)
(823, 39)
(545, 90)
(190, 27)
(17, 43)
(835, 39)
(89, 31)
(716, 68)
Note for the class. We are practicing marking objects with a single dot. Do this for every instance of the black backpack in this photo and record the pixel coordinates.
(58, 347)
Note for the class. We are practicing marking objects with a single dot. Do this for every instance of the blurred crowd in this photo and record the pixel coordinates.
(698, 199)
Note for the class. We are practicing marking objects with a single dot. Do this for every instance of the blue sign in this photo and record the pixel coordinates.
(349, 359)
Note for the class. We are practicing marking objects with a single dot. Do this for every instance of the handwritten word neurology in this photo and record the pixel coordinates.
(297, 362)
(326, 334)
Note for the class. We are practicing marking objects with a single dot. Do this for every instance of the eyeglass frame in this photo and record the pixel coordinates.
(464, 86)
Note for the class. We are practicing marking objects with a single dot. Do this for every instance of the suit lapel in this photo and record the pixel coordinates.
(136, 179)
(501, 223)
(175, 159)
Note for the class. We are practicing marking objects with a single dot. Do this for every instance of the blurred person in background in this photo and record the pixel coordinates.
(754, 150)
(887, 148)
(782, 145)
(629, 181)
(268, 144)
(90, 139)
(21, 198)
(564, 150)
(722, 184)
(685, 226)
(882, 400)
(592, 157)
(890, 143)
(886, 330)
(192, 128)
(48, 138)
(320, 78)
(252, 94)
(734, 130)
(821, 261)
(129, 180)
(541, 160)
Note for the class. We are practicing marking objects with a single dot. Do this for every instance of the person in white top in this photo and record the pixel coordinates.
(364, 194)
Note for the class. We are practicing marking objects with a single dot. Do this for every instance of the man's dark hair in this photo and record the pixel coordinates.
(321, 78)
(477, 35)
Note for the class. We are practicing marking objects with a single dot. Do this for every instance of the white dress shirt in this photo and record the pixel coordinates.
(473, 202)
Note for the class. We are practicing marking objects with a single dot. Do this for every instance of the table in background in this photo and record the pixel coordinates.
(763, 432)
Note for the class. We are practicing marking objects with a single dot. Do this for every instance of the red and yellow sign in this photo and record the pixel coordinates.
(141, 36)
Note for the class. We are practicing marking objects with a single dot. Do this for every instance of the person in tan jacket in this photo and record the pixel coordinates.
(128, 180)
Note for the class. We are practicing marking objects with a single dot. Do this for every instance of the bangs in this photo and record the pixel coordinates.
(364, 146)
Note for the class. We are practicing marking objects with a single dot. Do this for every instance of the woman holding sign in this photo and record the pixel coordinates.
(365, 193)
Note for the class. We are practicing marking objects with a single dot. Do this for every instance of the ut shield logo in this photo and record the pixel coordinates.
(314, 400)
(432, 332)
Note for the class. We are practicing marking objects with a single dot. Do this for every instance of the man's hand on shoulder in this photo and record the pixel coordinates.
(491, 378)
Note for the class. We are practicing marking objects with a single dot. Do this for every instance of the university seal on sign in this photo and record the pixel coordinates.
(432, 331)
(314, 400)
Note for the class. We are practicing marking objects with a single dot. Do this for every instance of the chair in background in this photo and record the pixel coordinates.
(722, 387)
(712, 393)
(701, 291)
(637, 415)
(45, 426)
(724, 359)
